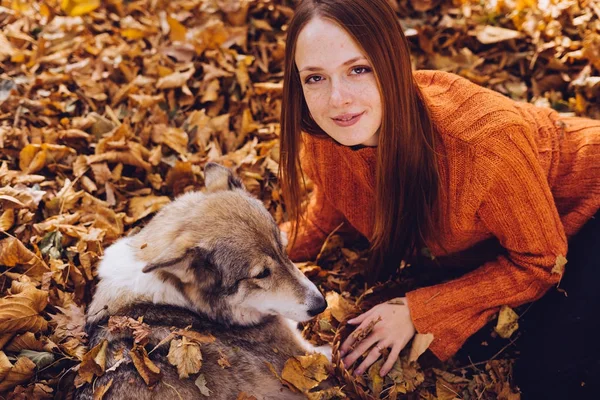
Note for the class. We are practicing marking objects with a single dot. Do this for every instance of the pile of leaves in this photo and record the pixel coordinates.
(110, 109)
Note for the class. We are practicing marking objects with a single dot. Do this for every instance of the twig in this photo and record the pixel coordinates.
(491, 359)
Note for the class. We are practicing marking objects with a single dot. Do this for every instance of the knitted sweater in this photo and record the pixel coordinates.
(508, 170)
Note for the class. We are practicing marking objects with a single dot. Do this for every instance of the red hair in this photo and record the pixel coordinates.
(407, 176)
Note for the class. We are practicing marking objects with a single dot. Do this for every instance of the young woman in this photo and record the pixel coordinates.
(426, 159)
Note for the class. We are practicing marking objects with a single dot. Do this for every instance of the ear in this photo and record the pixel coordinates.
(192, 259)
(217, 177)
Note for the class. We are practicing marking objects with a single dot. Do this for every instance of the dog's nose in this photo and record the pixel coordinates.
(318, 307)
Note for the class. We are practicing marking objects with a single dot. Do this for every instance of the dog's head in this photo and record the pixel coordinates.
(224, 252)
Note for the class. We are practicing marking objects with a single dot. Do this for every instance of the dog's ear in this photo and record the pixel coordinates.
(218, 177)
(193, 258)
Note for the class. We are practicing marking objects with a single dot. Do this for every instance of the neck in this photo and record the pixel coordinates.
(123, 283)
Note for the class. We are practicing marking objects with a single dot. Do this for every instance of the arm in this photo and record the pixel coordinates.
(321, 217)
(518, 208)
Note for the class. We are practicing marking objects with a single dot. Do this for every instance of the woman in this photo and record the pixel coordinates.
(429, 160)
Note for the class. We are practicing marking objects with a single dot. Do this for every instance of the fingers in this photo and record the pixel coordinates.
(373, 355)
(389, 363)
(360, 318)
(362, 347)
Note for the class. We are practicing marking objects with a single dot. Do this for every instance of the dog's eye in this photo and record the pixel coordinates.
(265, 273)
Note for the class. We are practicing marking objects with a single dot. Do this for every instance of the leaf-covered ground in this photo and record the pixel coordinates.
(109, 109)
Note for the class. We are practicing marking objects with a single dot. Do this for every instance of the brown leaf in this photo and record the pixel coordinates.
(101, 390)
(13, 253)
(186, 356)
(420, 343)
(305, 372)
(20, 312)
(140, 207)
(339, 307)
(149, 372)
(493, 34)
(7, 219)
(21, 372)
(176, 79)
(93, 363)
(5, 366)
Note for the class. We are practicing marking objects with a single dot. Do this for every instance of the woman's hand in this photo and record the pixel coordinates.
(394, 330)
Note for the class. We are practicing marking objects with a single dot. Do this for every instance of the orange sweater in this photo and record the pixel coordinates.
(508, 170)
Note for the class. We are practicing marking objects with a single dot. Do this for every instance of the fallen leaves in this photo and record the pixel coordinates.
(507, 322)
(186, 356)
(306, 372)
(110, 109)
(149, 372)
(20, 312)
(93, 364)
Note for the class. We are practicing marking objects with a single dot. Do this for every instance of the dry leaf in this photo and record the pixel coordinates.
(420, 343)
(21, 372)
(200, 382)
(305, 372)
(20, 312)
(140, 207)
(186, 356)
(101, 390)
(507, 322)
(339, 307)
(93, 363)
(149, 372)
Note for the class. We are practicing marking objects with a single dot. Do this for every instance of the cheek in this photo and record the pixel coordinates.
(315, 99)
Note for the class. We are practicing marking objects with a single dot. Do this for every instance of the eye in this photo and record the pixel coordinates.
(360, 70)
(265, 273)
(315, 79)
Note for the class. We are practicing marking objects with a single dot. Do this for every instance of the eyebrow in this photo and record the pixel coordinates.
(350, 61)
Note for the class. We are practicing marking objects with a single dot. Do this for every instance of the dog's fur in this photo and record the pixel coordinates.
(215, 261)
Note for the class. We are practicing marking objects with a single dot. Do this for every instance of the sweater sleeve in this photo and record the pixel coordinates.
(320, 218)
(517, 207)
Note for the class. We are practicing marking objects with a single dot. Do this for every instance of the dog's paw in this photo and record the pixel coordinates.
(325, 350)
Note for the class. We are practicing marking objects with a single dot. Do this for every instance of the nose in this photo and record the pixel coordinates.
(319, 305)
(340, 96)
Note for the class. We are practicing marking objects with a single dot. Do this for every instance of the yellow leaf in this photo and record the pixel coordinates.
(79, 7)
(559, 266)
(133, 34)
(305, 372)
(375, 380)
(186, 356)
(507, 322)
(178, 31)
(34, 157)
(7, 219)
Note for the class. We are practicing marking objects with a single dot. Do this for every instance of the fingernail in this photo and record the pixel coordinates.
(351, 320)
(358, 372)
(382, 373)
(342, 353)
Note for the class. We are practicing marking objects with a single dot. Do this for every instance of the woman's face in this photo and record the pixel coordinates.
(338, 83)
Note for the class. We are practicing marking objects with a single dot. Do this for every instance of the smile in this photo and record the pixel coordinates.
(347, 120)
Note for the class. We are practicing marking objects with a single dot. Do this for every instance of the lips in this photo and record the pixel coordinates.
(345, 120)
(346, 117)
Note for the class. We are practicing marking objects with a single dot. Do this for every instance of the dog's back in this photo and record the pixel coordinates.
(246, 349)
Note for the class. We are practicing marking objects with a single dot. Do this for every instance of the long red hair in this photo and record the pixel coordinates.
(407, 177)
